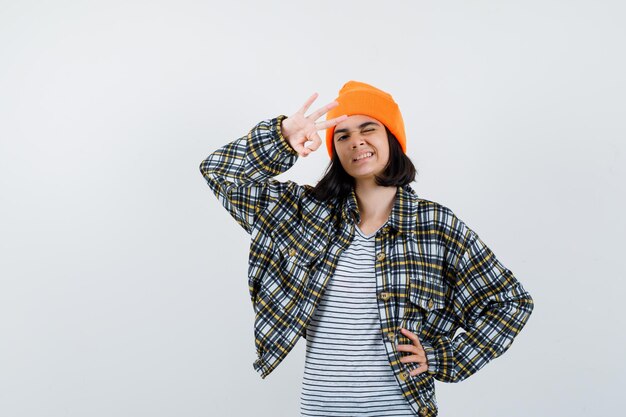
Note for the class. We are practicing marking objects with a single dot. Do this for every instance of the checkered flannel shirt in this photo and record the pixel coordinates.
(434, 274)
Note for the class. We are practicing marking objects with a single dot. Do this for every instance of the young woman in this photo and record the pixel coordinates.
(375, 278)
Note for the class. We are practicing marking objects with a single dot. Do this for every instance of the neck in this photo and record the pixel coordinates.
(375, 201)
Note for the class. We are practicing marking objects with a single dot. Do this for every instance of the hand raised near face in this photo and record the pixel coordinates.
(299, 129)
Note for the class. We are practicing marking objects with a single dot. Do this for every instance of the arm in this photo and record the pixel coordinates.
(491, 305)
(240, 172)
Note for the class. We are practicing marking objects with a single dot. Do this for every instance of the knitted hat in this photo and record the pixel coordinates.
(359, 98)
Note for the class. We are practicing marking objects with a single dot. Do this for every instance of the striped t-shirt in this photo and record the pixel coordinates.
(347, 371)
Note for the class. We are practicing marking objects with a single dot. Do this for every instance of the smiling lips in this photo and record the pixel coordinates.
(363, 156)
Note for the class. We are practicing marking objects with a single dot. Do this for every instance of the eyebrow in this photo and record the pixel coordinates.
(361, 126)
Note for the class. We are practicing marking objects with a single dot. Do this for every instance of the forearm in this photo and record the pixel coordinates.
(490, 304)
(261, 154)
(489, 336)
(239, 173)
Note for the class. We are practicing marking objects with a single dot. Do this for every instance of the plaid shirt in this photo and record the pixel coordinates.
(433, 273)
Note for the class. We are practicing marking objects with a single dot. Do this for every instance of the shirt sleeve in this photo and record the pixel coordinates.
(491, 305)
(239, 173)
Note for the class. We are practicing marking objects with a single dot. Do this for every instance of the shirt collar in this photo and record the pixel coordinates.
(402, 217)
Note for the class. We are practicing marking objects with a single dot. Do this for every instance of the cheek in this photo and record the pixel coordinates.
(342, 160)
(385, 157)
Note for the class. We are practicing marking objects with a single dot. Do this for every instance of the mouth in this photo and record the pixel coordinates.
(364, 157)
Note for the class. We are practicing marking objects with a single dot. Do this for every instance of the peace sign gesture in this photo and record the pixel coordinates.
(416, 348)
(299, 129)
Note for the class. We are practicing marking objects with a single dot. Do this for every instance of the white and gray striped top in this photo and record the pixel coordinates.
(346, 371)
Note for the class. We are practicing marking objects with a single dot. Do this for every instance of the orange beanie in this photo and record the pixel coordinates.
(359, 98)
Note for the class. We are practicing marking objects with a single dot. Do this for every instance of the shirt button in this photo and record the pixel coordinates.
(385, 230)
(380, 256)
(391, 336)
(384, 296)
(423, 411)
(431, 303)
(292, 252)
(404, 375)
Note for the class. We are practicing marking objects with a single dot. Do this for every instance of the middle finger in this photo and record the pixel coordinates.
(323, 110)
(413, 358)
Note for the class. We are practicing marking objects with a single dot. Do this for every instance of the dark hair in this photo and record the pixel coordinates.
(337, 183)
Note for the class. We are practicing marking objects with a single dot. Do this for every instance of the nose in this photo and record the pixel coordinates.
(356, 140)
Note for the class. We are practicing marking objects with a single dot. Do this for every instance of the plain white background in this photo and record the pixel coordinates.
(123, 281)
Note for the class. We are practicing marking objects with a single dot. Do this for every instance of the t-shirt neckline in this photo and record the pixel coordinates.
(363, 234)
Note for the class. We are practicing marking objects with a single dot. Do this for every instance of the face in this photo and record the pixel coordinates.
(357, 135)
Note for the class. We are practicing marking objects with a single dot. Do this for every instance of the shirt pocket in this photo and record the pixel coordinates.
(426, 291)
(425, 285)
(295, 254)
(294, 246)
(426, 299)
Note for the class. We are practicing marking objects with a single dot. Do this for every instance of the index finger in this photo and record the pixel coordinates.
(332, 122)
(411, 336)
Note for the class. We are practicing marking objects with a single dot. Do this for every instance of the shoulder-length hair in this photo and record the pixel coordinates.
(337, 183)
